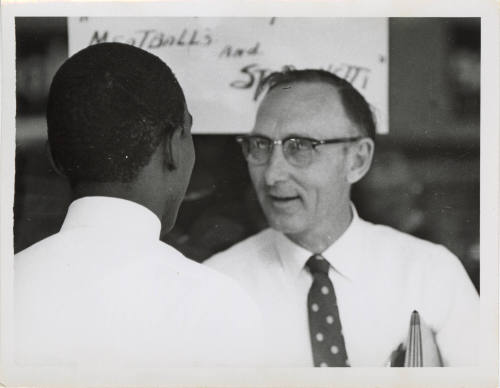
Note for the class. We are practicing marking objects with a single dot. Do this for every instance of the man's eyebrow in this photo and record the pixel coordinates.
(260, 135)
(292, 135)
(289, 136)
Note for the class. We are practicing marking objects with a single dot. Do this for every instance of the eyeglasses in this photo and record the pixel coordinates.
(298, 151)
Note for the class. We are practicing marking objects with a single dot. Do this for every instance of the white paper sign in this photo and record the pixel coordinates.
(220, 61)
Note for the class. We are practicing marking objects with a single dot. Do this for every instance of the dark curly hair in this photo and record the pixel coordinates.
(356, 107)
(110, 105)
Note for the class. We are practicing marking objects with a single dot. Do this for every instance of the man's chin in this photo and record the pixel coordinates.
(286, 225)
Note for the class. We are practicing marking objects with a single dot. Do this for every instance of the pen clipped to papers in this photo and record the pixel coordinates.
(413, 356)
(420, 348)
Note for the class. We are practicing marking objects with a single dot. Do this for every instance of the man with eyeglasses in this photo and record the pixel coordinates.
(337, 290)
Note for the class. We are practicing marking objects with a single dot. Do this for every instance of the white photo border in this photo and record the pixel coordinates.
(486, 375)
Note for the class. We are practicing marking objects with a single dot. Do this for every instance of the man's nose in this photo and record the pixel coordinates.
(277, 168)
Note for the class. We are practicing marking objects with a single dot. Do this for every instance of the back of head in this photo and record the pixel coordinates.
(355, 105)
(110, 106)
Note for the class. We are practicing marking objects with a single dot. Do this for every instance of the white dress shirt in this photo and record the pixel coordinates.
(106, 292)
(380, 275)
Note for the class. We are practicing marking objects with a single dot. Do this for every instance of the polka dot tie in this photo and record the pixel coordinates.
(327, 342)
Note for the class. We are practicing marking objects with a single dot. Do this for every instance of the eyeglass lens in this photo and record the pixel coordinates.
(297, 151)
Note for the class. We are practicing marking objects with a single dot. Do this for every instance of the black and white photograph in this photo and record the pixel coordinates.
(244, 198)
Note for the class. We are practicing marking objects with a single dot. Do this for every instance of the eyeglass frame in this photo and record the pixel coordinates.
(314, 143)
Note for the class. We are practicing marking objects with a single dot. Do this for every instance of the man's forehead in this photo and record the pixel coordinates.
(311, 88)
(305, 106)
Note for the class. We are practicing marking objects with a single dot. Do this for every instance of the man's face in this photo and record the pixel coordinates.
(303, 200)
(177, 180)
(186, 150)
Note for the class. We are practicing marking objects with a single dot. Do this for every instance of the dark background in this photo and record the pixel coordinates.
(424, 181)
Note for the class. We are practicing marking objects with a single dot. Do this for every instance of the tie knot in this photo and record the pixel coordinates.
(318, 264)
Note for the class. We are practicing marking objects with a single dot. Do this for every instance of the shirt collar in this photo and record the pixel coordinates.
(114, 215)
(341, 254)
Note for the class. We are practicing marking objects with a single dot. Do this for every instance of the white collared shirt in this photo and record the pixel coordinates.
(380, 275)
(106, 291)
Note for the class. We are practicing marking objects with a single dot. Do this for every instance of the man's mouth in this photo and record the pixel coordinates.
(283, 199)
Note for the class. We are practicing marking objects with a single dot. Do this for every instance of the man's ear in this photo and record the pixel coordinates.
(55, 165)
(360, 159)
(170, 156)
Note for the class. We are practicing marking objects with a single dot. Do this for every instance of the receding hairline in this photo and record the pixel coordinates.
(288, 86)
(313, 81)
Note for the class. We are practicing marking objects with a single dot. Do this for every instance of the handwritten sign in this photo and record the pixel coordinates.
(221, 61)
